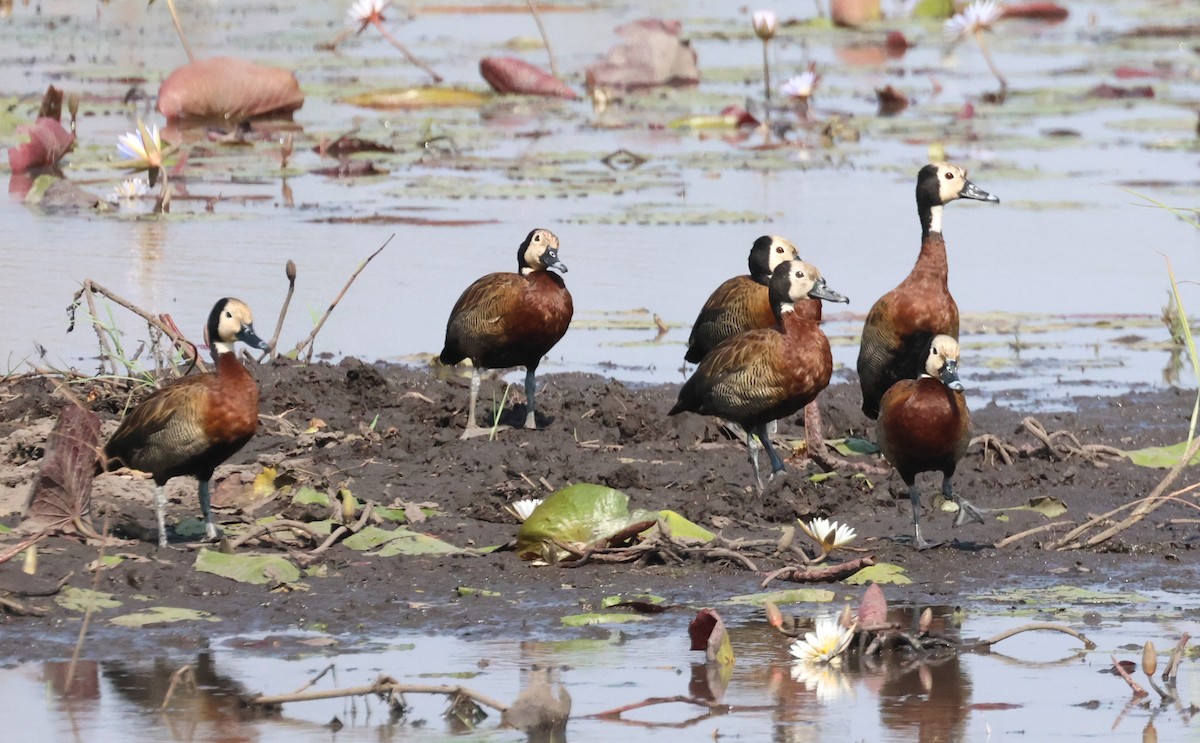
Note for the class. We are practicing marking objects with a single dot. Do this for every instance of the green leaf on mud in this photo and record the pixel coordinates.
(1160, 456)
(580, 515)
(682, 528)
(588, 620)
(1046, 505)
(790, 596)
(853, 445)
(4, 529)
(399, 541)
(610, 601)
(256, 569)
(308, 497)
(465, 591)
(415, 98)
(162, 615)
(883, 572)
(369, 538)
(391, 514)
(77, 599)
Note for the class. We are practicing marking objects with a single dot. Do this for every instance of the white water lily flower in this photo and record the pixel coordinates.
(129, 189)
(800, 86)
(828, 682)
(522, 508)
(977, 16)
(143, 148)
(824, 644)
(830, 535)
(764, 24)
(363, 12)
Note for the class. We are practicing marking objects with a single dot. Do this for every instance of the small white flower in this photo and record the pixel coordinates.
(824, 644)
(977, 16)
(800, 86)
(128, 190)
(828, 682)
(830, 535)
(523, 508)
(764, 24)
(363, 12)
(143, 148)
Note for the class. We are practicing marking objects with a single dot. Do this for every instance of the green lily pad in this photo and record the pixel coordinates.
(78, 599)
(391, 514)
(465, 591)
(790, 596)
(1161, 456)
(588, 620)
(399, 541)
(610, 601)
(580, 515)
(681, 528)
(935, 9)
(162, 615)
(369, 538)
(883, 572)
(256, 569)
(308, 497)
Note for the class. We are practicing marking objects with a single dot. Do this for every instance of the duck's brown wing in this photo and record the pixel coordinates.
(164, 430)
(479, 318)
(738, 305)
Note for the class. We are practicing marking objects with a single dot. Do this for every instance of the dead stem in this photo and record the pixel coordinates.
(313, 681)
(384, 687)
(91, 606)
(407, 54)
(1029, 532)
(1168, 674)
(616, 712)
(312, 336)
(340, 532)
(1048, 626)
(186, 674)
(290, 271)
(262, 530)
(1138, 691)
(987, 57)
(187, 48)
(822, 574)
(537, 18)
(186, 347)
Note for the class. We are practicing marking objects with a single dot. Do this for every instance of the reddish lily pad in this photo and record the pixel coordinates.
(228, 89)
(516, 76)
(48, 142)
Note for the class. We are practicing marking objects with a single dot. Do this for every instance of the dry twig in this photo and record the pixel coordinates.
(312, 336)
(1048, 626)
(384, 685)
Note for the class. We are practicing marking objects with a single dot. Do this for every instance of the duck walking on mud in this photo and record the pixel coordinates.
(925, 426)
(762, 375)
(511, 319)
(901, 323)
(194, 424)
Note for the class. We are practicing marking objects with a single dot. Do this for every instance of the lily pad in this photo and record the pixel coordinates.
(78, 599)
(580, 515)
(399, 541)
(308, 497)
(588, 620)
(1160, 456)
(882, 572)
(417, 98)
(465, 591)
(790, 596)
(682, 528)
(256, 569)
(162, 615)
(854, 445)
(610, 601)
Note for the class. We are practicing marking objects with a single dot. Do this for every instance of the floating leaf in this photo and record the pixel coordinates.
(790, 596)
(256, 569)
(707, 633)
(369, 538)
(587, 620)
(610, 601)
(1160, 456)
(228, 89)
(465, 591)
(882, 572)
(162, 615)
(78, 599)
(414, 98)
(48, 141)
(512, 75)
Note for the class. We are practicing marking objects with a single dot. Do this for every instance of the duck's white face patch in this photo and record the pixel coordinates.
(951, 181)
(234, 317)
(781, 250)
(541, 241)
(943, 349)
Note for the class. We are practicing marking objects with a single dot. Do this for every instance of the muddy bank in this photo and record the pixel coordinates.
(390, 434)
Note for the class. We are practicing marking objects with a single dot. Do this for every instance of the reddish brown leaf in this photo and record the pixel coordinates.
(1125, 73)
(61, 495)
(1035, 11)
(853, 12)
(742, 116)
(702, 627)
(652, 55)
(1116, 92)
(48, 141)
(872, 612)
(511, 75)
(897, 44)
(228, 89)
(891, 101)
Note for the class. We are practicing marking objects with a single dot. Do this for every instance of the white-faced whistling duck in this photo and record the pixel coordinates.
(193, 424)
(743, 302)
(901, 323)
(765, 374)
(924, 426)
(511, 319)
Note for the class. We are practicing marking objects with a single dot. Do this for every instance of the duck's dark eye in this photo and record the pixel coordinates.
(228, 313)
(778, 248)
(949, 176)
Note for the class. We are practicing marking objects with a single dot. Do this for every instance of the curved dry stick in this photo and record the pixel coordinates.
(819, 575)
(1050, 626)
(340, 532)
(176, 678)
(403, 50)
(1168, 674)
(185, 346)
(290, 270)
(284, 524)
(380, 688)
(187, 48)
(312, 336)
(616, 712)
(1138, 691)
(1029, 532)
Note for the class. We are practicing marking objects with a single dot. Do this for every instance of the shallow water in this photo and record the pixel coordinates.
(1066, 240)
(1036, 685)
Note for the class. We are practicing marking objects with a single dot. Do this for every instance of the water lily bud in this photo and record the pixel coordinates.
(347, 505)
(1149, 659)
(926, 620)
(847, 617)
(764, 24)
(291, 270)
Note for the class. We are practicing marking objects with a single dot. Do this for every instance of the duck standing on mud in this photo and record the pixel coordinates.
(193, 424)
(925, 426)
(762, 375)
(511, 319)
(901, 323)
